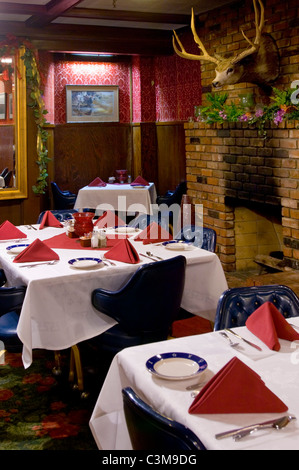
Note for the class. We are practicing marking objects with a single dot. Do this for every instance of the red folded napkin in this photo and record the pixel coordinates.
(97, 182)
(236, 389)
(123, 251)
(153, 233)
(62, 241)
(139, 181)
(268, 324)
(9, 232)
(36, 251)
(49, 220)
(109, 219)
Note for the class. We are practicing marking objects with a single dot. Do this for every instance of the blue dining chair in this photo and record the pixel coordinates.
(62, 199)
(144, 307)
(202, 237)
(237, 304)
(60, 214)
(149, 430)
(187, 323)
(144, 220)
(11, 301)
(173, 196)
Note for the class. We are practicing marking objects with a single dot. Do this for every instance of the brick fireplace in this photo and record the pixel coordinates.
(249, 189)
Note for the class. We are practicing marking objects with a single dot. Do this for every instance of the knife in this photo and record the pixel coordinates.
(236, 432)
(243, 339)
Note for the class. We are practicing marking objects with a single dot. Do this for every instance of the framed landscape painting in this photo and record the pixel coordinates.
(97, 103)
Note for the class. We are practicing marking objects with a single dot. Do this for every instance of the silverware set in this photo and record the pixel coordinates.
(232, 344)
(38, 264)
(151, 256)
(240, 433)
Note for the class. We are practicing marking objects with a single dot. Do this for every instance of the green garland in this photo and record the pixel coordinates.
(281, 108)
(33, 82)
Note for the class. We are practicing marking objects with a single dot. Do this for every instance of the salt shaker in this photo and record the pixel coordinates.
(94, 239)
(102, 240)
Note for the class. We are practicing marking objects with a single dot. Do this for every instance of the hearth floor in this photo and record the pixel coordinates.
(254, 278)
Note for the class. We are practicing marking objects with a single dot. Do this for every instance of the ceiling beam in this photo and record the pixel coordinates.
(53, 10)
(131, 16)
(22, 8)
(77, 38)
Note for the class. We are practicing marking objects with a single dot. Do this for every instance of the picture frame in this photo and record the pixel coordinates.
(92, 103)
(10, 106)
(2, 105)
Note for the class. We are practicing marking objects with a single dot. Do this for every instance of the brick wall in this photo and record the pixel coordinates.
(229, 164)
(220, 32)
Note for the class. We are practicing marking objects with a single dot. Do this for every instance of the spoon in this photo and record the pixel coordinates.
(149, 253)
(279, 424)
(233, 345)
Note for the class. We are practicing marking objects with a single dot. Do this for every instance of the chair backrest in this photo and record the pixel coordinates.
(60, 214)
(144, 220)
(173, 197)
(150, 301)
(203, 237)
(237, 304)
(149, 430)
(62, 199)
(11, 299)
(2, 277)
(7, 178)
(4, 172)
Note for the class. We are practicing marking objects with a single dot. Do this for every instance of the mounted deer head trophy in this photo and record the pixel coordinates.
(258, 64)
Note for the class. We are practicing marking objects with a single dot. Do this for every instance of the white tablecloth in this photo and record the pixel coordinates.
(57, 311)
(279, 371)
(118, 197)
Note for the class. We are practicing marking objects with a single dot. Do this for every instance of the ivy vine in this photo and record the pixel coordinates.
(10, 47)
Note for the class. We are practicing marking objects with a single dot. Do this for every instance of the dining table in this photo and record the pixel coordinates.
(168, 395)
(118, 197)
(57, 311)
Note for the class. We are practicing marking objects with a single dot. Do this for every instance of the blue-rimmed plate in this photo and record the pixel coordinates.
(16, 249)
(178, 245)
(85, 263)
(176, 365)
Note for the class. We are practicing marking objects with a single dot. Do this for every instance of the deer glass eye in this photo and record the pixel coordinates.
(229, 70)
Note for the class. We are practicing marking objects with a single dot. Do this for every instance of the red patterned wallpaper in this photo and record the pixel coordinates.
(163, 88)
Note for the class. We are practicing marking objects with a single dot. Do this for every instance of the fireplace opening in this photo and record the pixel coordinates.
(258, 238)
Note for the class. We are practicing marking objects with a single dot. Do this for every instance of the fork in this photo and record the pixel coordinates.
(231, 343)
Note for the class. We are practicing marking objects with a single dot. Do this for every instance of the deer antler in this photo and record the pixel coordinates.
(186, 55)
(258, 32)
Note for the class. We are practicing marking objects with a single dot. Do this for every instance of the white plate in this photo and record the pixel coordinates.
(176, 365)
(16, 249)
(177, 245)
(125, 230)
(85, 263)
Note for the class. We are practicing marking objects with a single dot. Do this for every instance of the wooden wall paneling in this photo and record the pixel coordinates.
(136, 145)
(171, 155)
(84, 151)
(149, 161)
